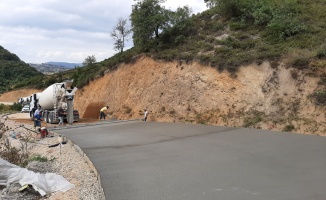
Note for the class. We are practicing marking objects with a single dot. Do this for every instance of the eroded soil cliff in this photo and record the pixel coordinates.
(258, 97)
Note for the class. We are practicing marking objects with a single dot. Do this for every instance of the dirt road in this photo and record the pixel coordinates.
(24, 118)
(6, 103)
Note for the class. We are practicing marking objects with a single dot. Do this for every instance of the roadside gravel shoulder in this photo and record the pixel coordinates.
(66, 160)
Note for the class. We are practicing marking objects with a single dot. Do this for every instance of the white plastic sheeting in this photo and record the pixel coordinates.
(43, 183)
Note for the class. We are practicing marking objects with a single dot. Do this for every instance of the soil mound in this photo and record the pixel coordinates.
(93, 109)
(13, 96)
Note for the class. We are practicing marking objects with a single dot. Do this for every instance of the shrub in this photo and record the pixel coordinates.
(288, 128)
(322, 79)
(322, 52)
(254, 118)
(320, 97)
(301, 63)
(172, 112)
(238, 25)
(262, 12)
(2, 107)
(286, 22)
(231, 8)
(294, 74)
(7, 108)
(204, 59)
(200, 119)
(16, 107)
(127, 109)
(12, 154)
(216, 27)
(317, 68)
(167, 55)
(269, 52)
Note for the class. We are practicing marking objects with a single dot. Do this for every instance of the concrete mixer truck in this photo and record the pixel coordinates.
(24, 100)
(57, 95)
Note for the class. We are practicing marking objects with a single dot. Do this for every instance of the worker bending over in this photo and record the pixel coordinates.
(103, 112)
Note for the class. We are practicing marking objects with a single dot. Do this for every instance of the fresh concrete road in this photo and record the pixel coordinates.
(171, 161)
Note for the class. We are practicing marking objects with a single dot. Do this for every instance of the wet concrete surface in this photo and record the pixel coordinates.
(170, 161)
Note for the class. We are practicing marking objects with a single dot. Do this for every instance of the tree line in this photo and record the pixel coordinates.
(152, 24)
(150, 20)
(14, 73)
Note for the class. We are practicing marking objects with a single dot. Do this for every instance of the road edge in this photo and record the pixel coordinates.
(92, 166)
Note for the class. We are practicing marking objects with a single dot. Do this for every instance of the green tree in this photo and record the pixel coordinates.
(179, 16)
(282, 17)
(120, 33)
(150, 20)
(90, 60)
(231, 8)
(286, 20)
(179, 28)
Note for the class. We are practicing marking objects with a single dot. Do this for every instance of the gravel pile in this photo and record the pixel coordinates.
(66, 160)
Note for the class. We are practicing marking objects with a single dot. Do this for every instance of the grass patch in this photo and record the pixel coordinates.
(254, 118)
(10, 108)
(38, 158)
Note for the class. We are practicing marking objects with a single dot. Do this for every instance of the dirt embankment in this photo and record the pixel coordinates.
(13, 96)
(259, 97)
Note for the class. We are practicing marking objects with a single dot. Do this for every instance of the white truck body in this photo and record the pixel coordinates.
(24, 100)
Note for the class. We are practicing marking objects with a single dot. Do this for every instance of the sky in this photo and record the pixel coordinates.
(40, 31)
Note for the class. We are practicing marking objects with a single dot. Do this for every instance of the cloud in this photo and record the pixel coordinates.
(59, 30)
(195, 5)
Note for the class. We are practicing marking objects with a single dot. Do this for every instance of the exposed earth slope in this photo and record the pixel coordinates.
(258, 97)
(14, 95)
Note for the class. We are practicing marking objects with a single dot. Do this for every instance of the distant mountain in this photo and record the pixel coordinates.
(47, 68)
(54, 67)
(65, 64)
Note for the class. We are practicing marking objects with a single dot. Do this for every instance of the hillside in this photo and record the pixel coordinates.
(259, 65)
(260, 96)
(246, 32)
(15, 73)
(262, 64)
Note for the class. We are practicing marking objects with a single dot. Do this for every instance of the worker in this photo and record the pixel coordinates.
(103, 112)
(145, 114)
(38, 110)
(61, 113)
(37, 120)
(44, 132)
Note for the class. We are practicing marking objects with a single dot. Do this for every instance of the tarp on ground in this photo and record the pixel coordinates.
(43, 183)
